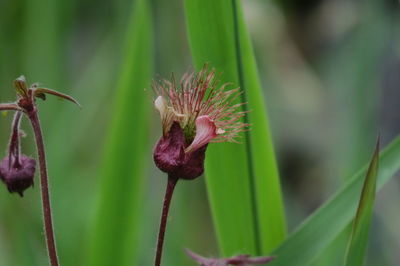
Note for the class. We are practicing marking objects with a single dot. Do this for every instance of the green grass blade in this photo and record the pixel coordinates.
(355, 92)
(242, 180)
(42, 42)
(115, 231)
(321, 228)
(83, 137)
(359, 236)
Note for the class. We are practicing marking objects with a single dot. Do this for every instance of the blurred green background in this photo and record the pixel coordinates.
(330, 71)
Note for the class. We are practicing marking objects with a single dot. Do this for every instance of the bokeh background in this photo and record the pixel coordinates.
(330, 70)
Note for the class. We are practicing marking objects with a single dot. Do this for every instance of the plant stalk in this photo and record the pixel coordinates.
(47, 216)
(10, 107)
(164, 217)
(14, 146)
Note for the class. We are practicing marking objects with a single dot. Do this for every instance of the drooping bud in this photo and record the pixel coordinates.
(18, 176)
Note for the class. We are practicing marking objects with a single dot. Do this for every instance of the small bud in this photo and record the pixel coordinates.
(21, 86)
(18, 176)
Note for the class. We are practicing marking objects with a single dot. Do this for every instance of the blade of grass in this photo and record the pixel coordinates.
(41, 41)
(357, 89)
(242, 180)
(321, 228)
(115, 231)
(359, 236)
(81, 155)
(356, 92)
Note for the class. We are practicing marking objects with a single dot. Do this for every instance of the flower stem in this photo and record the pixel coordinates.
(167, 200)
(10, 107)
(14, 148)
(48, 223)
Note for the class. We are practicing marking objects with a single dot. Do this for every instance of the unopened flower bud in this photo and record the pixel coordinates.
(18, 176)
(170, 156)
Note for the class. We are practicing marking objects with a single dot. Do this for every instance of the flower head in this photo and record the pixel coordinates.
(17, 175)
(193, 114)
(17, 170)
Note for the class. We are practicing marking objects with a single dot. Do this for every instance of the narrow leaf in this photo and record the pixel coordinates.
(42, 46)
(85, 135)
(359, 236)
(40, 92)
(242, 180)
(323, 226)
(115, 232)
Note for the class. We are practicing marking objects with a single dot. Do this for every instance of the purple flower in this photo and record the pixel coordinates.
(17, 175)
(240, 260)
(194, 114)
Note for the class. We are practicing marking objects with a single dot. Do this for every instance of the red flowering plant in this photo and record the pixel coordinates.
(16, 169)
(193, 113)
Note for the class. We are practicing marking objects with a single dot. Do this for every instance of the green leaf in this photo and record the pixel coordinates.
(242, 180)
(359, 236)
(42, 45)
(83, 137)
(115, 232)
(321, 228)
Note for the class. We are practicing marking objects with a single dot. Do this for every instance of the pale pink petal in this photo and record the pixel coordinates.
(205, 132)
(169, 115)
(160, 105)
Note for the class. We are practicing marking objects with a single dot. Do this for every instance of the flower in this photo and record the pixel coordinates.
(193, 114)
(240, 260)
(17, 170)
(17, 174)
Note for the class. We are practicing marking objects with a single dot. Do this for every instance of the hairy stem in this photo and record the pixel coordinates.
(167, 200)
(14, 148)
(10, 107)
(48, 223)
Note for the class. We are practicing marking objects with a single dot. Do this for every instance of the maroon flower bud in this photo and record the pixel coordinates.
(170, 156)
(192, 116)
(18, 176)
